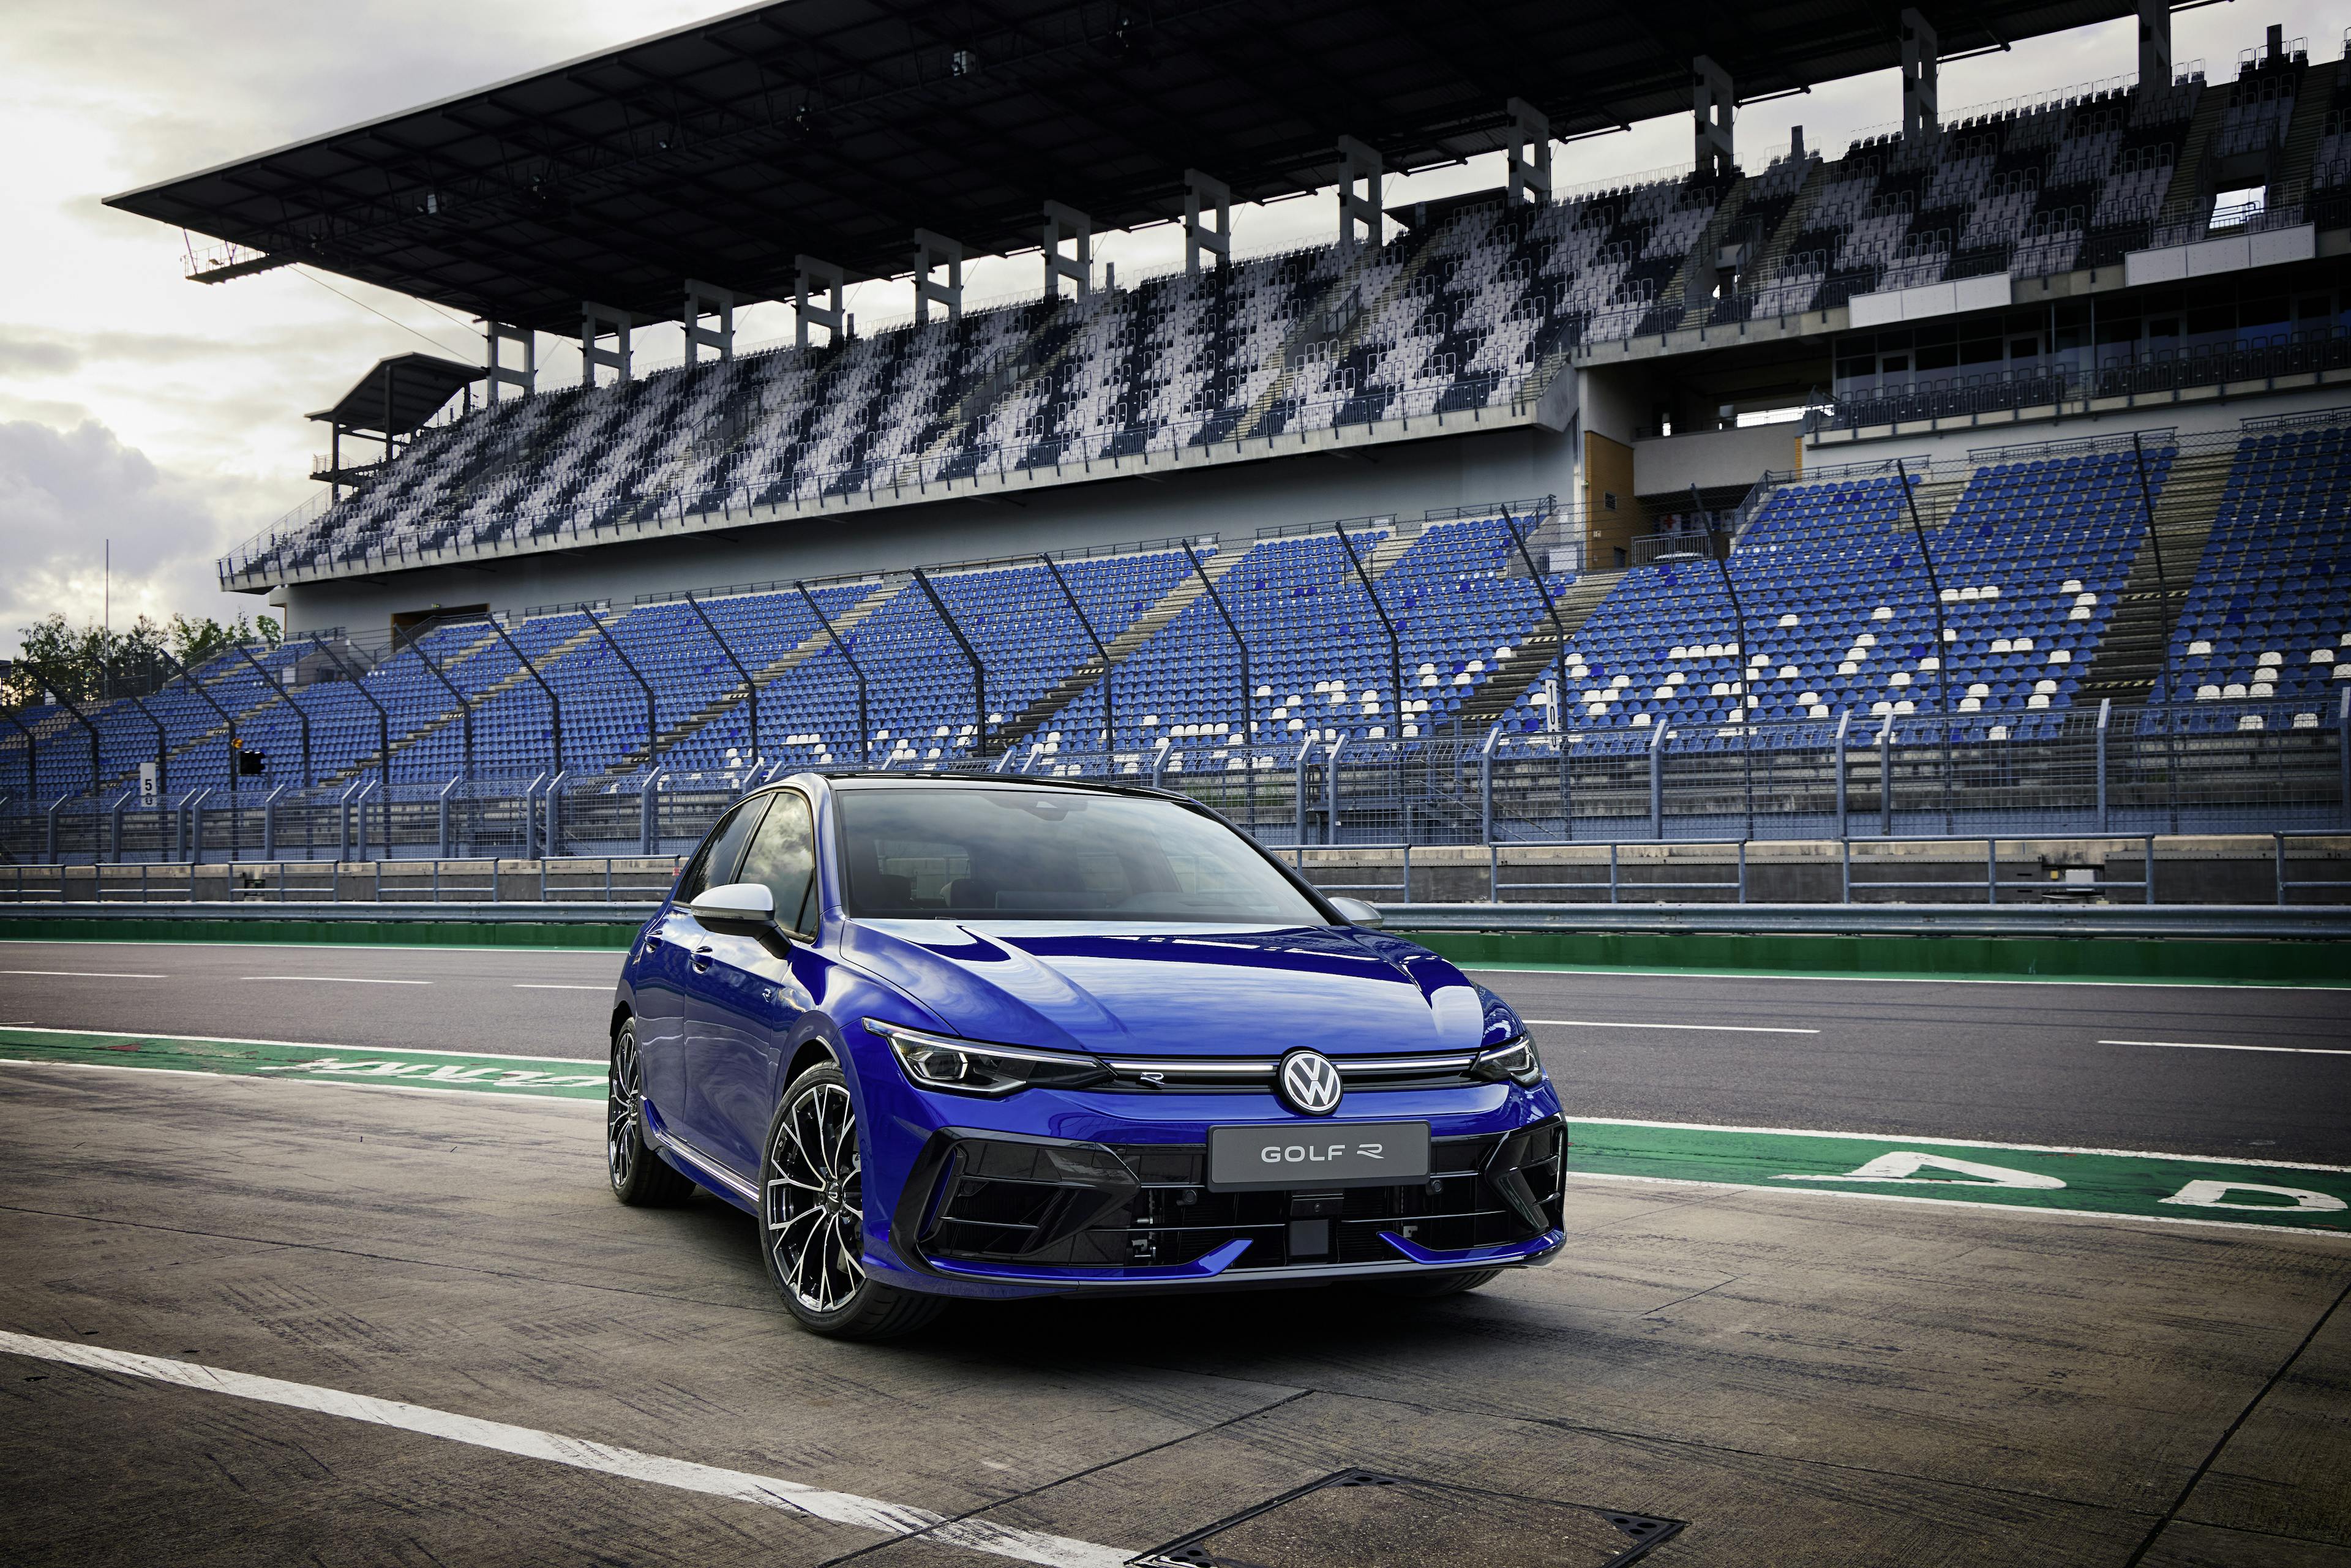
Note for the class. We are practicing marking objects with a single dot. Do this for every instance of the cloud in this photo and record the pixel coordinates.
(66, 495)
(27, 353)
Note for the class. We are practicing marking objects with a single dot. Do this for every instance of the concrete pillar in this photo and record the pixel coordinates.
(1067, 226)
(2154, 43)
(1202, 192)
(496, 336)
(1712, 108)
(1364, 164)
(596, 323)
(932, 252)
(708, 300)
(1529, 154)
(1921, 97)
(815, 277)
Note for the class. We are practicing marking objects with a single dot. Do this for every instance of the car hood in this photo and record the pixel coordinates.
(1181, 991)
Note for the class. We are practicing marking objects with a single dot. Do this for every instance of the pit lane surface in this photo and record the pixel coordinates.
(1799, 1381)
(2028, 1063)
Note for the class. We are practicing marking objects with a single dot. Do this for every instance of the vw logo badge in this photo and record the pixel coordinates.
(1309, 1085)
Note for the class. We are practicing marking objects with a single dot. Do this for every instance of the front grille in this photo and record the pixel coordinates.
(1255, 1074)
(1148, 1206)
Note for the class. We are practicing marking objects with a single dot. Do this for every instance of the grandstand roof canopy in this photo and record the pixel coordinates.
(399, 394)
(835, 128)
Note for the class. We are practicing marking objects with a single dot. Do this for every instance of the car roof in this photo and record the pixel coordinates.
(878, 780)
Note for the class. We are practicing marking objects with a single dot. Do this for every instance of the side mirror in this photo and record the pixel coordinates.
(1355, 912)
(735, 901)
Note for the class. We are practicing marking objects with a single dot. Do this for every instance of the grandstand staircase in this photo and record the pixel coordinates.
(766, 675)
(1011, 371)
(441, 721)
(2186, 199)
(1538, 652)
(2314, 102)
(1709, 242)
(1309, 327)
(2138, 637)
(1023, 726)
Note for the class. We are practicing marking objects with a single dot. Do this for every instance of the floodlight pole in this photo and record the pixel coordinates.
(1110, 713)
(1249, 693)
(67, 703)
(2163, 626)
(1942, 642)
(1559, 687)
(638, 675)
(1395, 649)
(465, 707)
(1738, 638)
(301, 717)
(864, 722)
(978, 670)
(163, 738)
(751, 688)
(382, 719)
(197, 686)
(554, 703)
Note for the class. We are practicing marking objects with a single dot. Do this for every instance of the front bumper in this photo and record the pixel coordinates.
(1017, 1210)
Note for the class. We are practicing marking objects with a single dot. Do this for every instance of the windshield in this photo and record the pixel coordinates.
(1034, 854)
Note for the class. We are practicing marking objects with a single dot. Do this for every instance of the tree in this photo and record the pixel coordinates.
(88, 663)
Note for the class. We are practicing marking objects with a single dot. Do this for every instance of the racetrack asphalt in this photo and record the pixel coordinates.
(2247, 1072)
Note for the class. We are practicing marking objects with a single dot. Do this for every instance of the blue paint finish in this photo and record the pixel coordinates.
(1113, 988)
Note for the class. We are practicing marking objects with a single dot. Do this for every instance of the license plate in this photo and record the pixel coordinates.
(1317, 1155)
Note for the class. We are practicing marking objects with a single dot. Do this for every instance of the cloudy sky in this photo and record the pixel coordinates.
(166, 417)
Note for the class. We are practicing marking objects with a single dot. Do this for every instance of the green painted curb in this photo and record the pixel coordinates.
(536, 1076)
(2069, 958)
(2081, 1181)
(596, 936)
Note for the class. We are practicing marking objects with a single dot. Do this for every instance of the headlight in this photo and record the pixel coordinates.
(968, 1067)
(1514, 1060)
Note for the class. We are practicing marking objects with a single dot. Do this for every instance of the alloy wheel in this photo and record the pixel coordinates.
(621, 1141)
(815, 1199)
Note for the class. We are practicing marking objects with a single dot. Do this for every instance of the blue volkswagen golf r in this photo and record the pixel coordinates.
(984, 1037)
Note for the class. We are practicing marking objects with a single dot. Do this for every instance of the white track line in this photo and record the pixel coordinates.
(88, 974)
(336, 979)
(303, 1044)
(2203, 1045)
(1699, 1028)
(604, 1459)
(1591, 973)
(543, 986)
(1912, 1140)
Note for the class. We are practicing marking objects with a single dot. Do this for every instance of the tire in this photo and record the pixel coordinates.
(640, 1178)
(812, 1218)
(1431, 1287)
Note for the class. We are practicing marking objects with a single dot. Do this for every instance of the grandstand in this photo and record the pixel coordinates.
(1992, 472)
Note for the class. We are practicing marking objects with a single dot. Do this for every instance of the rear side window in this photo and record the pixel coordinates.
(715, 865)
(782, 857)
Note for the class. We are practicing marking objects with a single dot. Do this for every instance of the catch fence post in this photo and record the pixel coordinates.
(1991, 870)
(2105, 711)
(2342, 755)
(1657, 783)
(1743, 871)
(1885, 778)
(2277, 865)
(1844, 872)
(1612, 871)
(1331, 792)
(1844, 822)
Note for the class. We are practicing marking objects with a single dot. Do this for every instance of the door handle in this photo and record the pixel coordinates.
(701, 959)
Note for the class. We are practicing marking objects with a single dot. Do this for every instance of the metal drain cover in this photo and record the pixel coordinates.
(1362, 1518)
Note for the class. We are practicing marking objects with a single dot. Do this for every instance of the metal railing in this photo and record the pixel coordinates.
(1996, 872)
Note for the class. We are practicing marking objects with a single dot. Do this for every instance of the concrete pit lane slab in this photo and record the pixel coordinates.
(1802, 1378)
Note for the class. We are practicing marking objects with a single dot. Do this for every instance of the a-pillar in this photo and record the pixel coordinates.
(1202, 192)
(1529, 154)
(1363, 164)
(598, 322)
(1922, 95)
(495, 335)
(708, 300)
(932, 252)
(816, 280)
(1712, 107)
(1067, 226)
(2154, 43)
